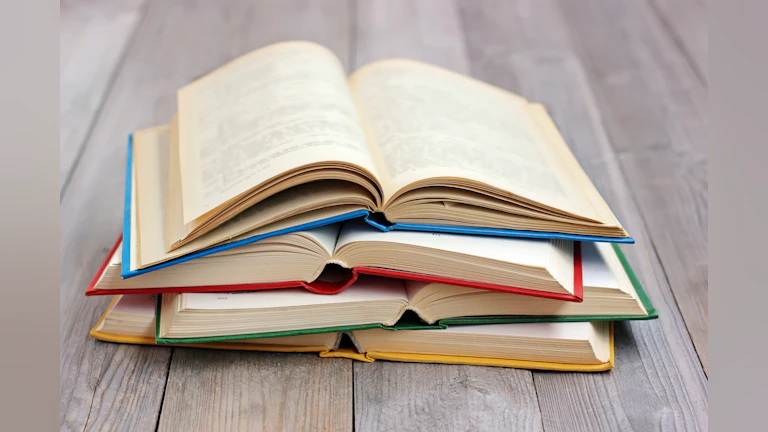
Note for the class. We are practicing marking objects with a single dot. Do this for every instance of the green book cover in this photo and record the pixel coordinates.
(509, 319)
(411, 321)
(406, 322)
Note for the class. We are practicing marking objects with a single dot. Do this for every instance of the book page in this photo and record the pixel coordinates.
(366, 288)
(157, 219)
(173, 210)
(412, 288)
(527, 252)
(151, 160)
(555, 330)
(263, 115)
(426, 122)
(595, 270)
(136, 304)
(326, 236)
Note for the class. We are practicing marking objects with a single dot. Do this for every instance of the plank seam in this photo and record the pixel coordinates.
(102, 102)
(642, 218)
(104, 367)
(650, 239)
(674, 298)
(90, 406)
(538, 401)
(678, 43)
(353, 393)
(165, 387)
(591, 96)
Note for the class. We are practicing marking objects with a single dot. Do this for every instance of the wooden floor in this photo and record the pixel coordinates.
(626, 81)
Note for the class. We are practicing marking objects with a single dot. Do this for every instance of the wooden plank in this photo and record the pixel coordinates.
(651, 105)
(686, 21)
(95, 375)
(103, 385)
(210, 390)
(656, 364)
(658, 378)
(654, 110)
(176, 42)
(129, 390)
(426, 30)
(392, 396)
(92, 43)
(256, 391)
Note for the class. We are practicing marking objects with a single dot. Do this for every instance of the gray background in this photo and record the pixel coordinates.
(28, 44)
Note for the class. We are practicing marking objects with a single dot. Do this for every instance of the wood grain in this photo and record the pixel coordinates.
(416, 397)
(226, 391)
(622, 79)
(93, 37)
(652, 113)
(686, 21)
(658, 378)
(129, 390)
(392, 396)
(670, 375)
(212, 390)
(654, 110)
(176, 42)
(427, 31)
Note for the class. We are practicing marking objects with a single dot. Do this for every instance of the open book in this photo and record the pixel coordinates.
(611, 293)
(280, 137)
(328, 259)
(579, 346)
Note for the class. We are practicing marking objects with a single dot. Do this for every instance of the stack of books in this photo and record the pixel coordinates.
(407, 213)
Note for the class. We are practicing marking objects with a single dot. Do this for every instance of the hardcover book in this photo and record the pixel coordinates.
(328, 259)
(612, 293)
(580, 346)
(280, 139)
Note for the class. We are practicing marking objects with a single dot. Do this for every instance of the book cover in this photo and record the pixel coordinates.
(370, 356)
(370, 219)
(325, 287)
(410, 321)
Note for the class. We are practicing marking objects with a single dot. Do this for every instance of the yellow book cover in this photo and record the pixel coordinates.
(332, 350)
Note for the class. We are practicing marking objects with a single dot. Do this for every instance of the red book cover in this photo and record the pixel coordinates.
(333, 287)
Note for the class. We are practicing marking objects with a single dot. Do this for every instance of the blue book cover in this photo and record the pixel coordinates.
(369, 217)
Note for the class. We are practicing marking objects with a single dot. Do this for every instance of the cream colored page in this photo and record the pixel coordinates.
(527, 252)
(151, 153)
(144, 306)
(366, 288)
(426, 122)
(577, 175)
(174, 212)
(266, 113)
(151, 157)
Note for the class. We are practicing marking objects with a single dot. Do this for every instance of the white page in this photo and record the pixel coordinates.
(326, 236)
(136, 304)
(595, 271)
(367, 288)
(527, 252)
(558, 330)
(117, 257)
